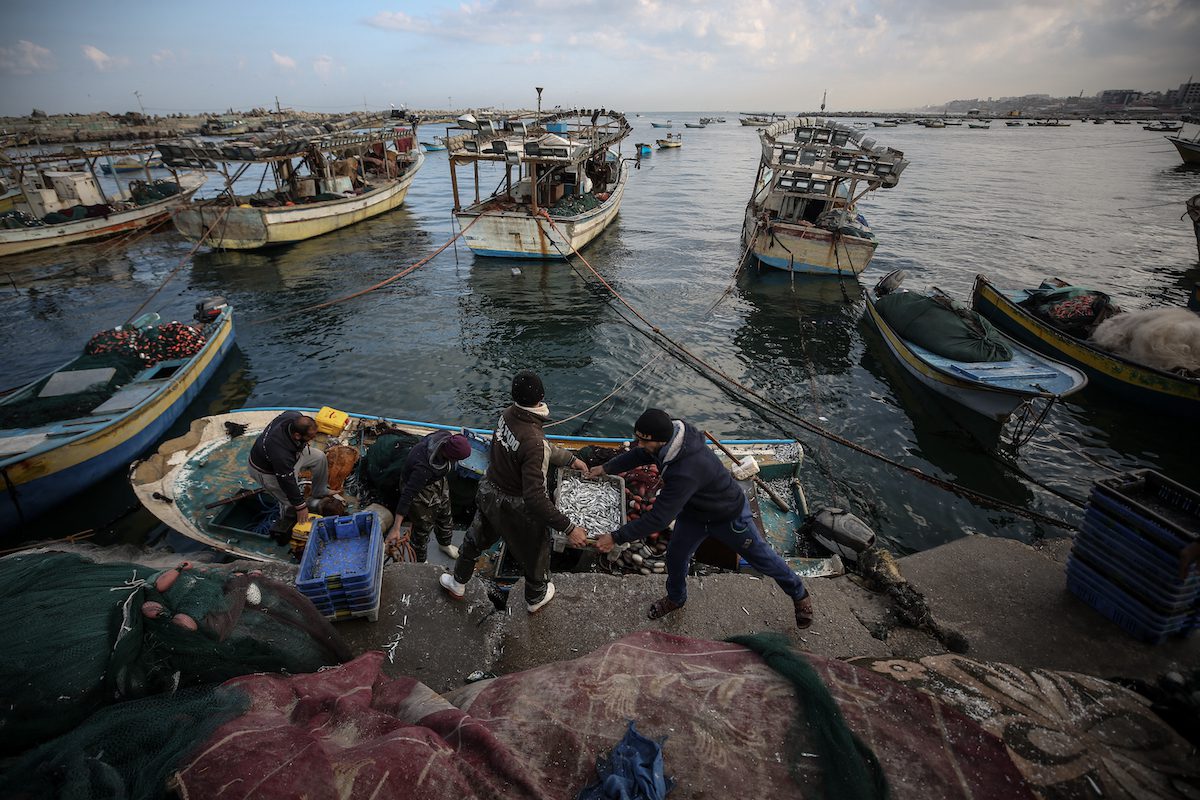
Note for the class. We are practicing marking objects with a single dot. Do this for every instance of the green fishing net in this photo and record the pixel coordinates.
(78, 637)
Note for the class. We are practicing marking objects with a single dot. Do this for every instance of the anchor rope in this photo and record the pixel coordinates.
(682, 352)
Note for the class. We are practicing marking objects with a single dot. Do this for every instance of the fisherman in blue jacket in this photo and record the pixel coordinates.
(703, 499)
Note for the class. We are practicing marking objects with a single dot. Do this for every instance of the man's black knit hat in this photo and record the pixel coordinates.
(655, 425)
(527, 389)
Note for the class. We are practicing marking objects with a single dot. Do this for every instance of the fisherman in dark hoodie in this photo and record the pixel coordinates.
(704, 500)
(278, 456)
(424, 493)
(512, 499)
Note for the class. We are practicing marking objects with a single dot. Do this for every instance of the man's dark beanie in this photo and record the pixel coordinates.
(527, 389)
(655, 424)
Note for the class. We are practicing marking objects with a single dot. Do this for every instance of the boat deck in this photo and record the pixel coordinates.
(1025, 372)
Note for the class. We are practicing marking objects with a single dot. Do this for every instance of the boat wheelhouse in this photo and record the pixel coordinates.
(559, 181)
(802, 215)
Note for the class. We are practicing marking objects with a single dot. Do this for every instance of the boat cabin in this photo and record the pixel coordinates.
(562, 162)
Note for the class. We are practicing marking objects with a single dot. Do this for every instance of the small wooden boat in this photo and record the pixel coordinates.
(57, 199)
(643, 148)
(563, 177)
(672, 140)
(693, 125)
(802, 215)
(70, 428)
(1148, 387)
(1014, 124)
(1189, 147)
(979, 126)
(208, 465)
(994, 389)
(434, 146)
(666, 124)
(1163, 127)
(885, 124)
(130, 165)
(1122, 122)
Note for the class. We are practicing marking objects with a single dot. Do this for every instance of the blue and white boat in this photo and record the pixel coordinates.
(666, 124)
(994, 388)
(46, 460)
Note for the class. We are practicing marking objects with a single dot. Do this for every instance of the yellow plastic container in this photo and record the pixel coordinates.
(331, 421)
(305, 528)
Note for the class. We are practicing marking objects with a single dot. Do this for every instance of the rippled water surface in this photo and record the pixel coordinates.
(1094, 204)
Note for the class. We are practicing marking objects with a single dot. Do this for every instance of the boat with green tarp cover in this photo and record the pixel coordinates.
(198, 484)
(950, 349)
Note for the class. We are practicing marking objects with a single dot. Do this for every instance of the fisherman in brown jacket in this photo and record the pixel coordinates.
(512, 499)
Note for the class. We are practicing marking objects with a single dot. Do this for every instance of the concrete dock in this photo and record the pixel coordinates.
(1007, 599)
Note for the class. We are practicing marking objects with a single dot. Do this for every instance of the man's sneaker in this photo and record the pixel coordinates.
(540, 604)
(450, 550)
(804, 611)
(453, 588)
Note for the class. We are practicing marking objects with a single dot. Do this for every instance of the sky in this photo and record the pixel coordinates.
(632, 55)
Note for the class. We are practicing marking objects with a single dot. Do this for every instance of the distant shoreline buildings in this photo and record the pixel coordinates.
(1131, 102)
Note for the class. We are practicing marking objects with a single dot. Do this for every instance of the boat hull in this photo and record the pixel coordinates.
(1148, 387)
(207, 465)
(1188, 151)
(519, 234)
(46, 479)
(807, 249)
(26, 240)
(251, 228)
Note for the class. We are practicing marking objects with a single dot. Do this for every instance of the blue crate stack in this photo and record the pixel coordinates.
(342, 568)
(1125, 560)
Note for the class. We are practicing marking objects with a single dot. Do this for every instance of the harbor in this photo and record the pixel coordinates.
(665, 305)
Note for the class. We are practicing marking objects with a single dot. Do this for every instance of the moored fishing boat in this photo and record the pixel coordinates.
(562, 182)
(320, 184)
(671, 140)
(693, 125)
(185, 480)
(1188, 147)
(88, 418)
(961, 357)
(802, 215)
(130, 164)
(437, 145)
(57, 199)
(1147, 386)
(666, 124)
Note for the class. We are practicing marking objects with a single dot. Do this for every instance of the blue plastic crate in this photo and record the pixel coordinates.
(1115, 531)
(1127, 613)
(342, 553)
(1095, 536)
(1164, 510)
(1149, 594)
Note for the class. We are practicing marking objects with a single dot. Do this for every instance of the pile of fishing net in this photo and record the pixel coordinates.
(144, 193)
(1074, 310)
(15, 219)
(746, 719)
(76, 213)
(80, 636)
(171, 340)
(30, 411)
(571, 206)
(1166, 338)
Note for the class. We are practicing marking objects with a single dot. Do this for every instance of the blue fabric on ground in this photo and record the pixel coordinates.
(632, 771)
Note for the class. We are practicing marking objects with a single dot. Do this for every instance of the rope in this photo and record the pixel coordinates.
(401, 550)
(709, 370)
(179, 266)
(410, 268)
(607, 396)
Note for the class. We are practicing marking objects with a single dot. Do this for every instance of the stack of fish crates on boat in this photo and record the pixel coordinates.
(1125, 560)
(598, 504)
(342, 568)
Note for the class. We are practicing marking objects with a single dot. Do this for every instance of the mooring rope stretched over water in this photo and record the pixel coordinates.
(709, 370)
(410, 268)
(179, 266)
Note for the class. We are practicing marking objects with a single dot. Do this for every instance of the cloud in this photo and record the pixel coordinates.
(323, 66)
(103, 61)
(287, 62)
(25, 58)
(162, 56)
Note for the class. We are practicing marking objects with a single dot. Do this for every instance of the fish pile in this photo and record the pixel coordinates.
(645, 558)
(593, 504)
